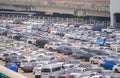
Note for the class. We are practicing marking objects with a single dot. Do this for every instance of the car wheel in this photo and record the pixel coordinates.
(116, 71)
(50, 49)
(29, 42)
(10, 36)
(105, 67)
(25, 71)
(37, 76)
(101, 65)
(74, 57)
(92, 62)
(33, 72)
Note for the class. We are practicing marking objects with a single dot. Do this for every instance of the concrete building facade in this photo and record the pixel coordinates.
(115, 13)
(77, 7)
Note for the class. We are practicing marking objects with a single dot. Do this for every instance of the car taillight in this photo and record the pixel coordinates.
(73, 76)
(31, 67)
(56, 77)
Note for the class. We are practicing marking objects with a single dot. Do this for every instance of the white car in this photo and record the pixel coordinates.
(97, 59)
(36, 69)
(31, 40)
(52, 45)
(68, 66)
(37, 72)
(77, 73)
(46, 59)
(116, 68)
(53, 31)
(92, 75)
(108, 74)
(77, 36)
(1, 55)
(23, 63)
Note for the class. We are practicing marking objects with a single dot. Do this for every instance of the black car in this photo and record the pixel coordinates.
(17, 37)
(86, 65)
(78, 54)
(41, 43)
(29, 67)
(86, 56)
(99, 52)
(65, 50)
(5, 56)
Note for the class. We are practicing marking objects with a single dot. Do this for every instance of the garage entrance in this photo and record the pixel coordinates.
(117, 20)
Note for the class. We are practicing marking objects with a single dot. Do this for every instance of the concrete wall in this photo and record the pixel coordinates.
(114, 8)
(78, 9)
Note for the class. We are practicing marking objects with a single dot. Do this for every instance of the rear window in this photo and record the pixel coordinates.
(62, 77)
(56, 69)
(33, 61)
(25, 61)
(52, 76)
(6, 55)
(58, 44)
(45, 70)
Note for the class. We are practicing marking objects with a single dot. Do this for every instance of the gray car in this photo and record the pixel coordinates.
(57, 74)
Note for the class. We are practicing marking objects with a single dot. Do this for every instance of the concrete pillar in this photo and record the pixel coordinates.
(38, 18)
(43, 18)
(34, 18)
(67, 19)
(21, 16)
(12, 16)
(71, 20)
(112, 19)
(57, 19)
(2, 16)
(62, 19)
(8, 16)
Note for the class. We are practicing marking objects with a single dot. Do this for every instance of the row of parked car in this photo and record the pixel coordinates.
(69, 50)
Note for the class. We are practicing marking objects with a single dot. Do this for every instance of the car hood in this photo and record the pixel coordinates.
(78, 74)
(44, 62)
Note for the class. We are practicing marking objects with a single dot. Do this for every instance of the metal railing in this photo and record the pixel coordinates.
(10, 73)
(59, 19)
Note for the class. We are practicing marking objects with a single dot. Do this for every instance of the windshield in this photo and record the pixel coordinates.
(100, 40)
(49, 53)
(45, 70)
(113, 57)
(77, 71)
(24, 61)
(104, 57)
(108, 73)
(43, 59)
(110, 40)
(74, 62)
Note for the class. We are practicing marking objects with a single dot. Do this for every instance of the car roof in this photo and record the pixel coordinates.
(81, 68)
(111, 60)
(52, 65)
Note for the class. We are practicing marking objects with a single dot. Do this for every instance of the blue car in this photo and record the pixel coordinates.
(100, 42)
(17, 62)
(109, 64)
(12, 66)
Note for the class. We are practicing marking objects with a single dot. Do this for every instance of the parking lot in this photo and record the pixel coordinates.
(40, 49)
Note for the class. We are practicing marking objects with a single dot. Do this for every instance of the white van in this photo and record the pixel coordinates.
(47, 70)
